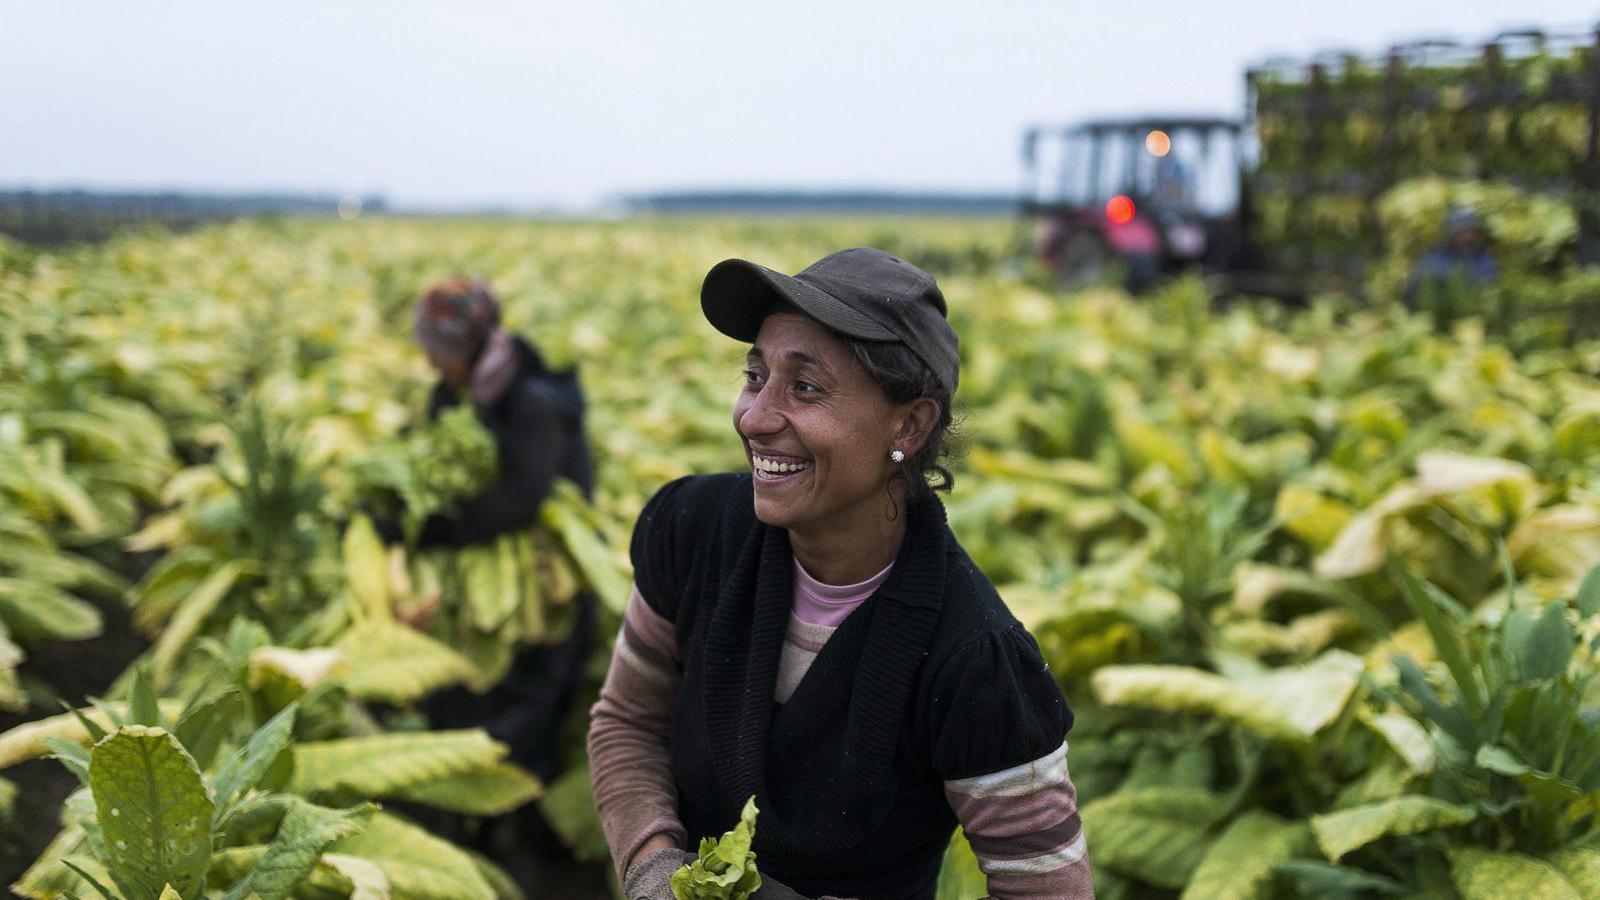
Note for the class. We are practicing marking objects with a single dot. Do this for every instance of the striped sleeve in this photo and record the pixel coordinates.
(629, 760)
(1023, 826)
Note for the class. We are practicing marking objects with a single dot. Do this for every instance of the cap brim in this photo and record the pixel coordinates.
(737, 295)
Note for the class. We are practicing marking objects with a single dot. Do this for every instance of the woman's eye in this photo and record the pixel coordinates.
(752, 378)
(806, 387)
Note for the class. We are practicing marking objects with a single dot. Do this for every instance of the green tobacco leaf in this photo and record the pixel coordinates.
(170, 580)
(1407, 738)
(153, 811)
(115, 713)
(1485, 875)
(70, 498)
(250, 763)
(366, 569)
(1319, 879)
(40, 560)
(74, 756)
(367, 881)
(1581, 866)
(505, 887)
(1239, 864)
(234, 864)
(568, 805)
(53, 882)
(1451, 718)
(48, 877)
(725, 868)
(489, 588)
(94, 882)
(296, 671)
(1340, 832)
(608, 582)
(142, 706)
(1499, 759)
(13, 697)
(190, 616)
(203, 729)
(306, 830)
(488, 791)
(1589, 593)
(959, 875)
(1289, 704)
(79, 809)
(391, 662)
(31, 611)
(418, 865)
(1157, 835)
(1547, 648)
(1446, 634)
(387, 765)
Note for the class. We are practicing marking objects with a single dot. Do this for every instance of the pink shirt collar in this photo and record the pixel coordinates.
(816, 603)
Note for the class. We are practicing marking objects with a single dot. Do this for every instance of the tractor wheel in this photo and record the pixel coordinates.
(1144, 270)
(1082, 261)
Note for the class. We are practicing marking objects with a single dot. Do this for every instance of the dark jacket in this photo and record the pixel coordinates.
(930, 679)
(537, 423)
(1444, 271)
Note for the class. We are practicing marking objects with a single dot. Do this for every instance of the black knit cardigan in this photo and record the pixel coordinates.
(930, 679)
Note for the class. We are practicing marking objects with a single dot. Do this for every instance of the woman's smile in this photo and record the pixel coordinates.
(776, 469)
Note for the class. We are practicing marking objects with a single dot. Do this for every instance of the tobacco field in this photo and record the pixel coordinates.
(1320, 587)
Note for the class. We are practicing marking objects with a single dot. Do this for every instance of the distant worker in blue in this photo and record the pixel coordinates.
(1458, 268)
(1174, 184)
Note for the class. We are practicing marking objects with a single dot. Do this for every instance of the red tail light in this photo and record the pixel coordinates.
(1119, 209)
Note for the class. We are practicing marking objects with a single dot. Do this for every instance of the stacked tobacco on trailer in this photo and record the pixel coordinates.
(1364, 158)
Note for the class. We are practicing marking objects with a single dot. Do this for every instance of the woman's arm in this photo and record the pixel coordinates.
(629, 761)
(1023, 826)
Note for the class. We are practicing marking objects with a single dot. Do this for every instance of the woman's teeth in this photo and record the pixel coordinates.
(777, 467)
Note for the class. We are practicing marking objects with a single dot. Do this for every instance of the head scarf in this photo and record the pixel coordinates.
(456, 317)
(460, 317)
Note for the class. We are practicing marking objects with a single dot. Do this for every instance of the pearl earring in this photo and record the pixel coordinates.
(897, 455)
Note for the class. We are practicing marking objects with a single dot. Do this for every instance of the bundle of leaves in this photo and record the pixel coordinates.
(481, 602)
(726, 866)
(433, 467)
(1332, 140)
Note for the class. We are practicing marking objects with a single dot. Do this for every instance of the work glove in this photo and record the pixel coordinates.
(651, 878)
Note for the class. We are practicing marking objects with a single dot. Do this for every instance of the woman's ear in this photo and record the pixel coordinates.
(917, 421)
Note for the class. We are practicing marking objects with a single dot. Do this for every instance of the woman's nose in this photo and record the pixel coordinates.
(759, 416)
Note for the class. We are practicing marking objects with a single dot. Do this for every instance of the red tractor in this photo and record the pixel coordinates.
(1142, 197)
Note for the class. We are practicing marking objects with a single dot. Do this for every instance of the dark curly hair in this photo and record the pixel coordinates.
(904, 377)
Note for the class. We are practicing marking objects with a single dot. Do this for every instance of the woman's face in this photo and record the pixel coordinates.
(817, 429)
(454, 369)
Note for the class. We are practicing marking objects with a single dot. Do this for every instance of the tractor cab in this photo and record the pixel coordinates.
(1144, 196)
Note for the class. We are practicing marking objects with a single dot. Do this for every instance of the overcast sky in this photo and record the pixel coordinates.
(523, 104)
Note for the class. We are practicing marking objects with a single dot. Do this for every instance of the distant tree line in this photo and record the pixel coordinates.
(56, 217)
(824, 202)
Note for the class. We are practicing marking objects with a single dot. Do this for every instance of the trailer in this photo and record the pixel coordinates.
(1286, 196)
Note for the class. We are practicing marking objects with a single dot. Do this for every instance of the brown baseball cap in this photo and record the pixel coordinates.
(861, 292)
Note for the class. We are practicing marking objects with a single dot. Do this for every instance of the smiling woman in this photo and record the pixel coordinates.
(820, 435)
(811, 634)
